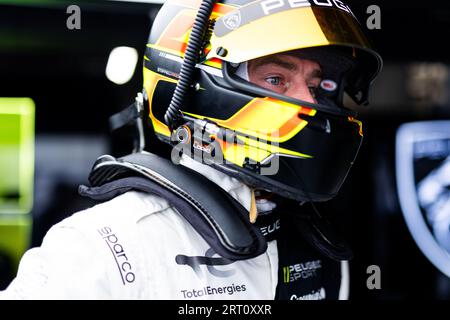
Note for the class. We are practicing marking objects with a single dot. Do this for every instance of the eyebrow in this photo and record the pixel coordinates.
(277, 61)
(316, 73)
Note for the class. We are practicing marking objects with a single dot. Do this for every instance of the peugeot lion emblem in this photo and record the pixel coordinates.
(423, 182)
(233, 20)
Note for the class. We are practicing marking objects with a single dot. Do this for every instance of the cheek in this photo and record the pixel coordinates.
(281, 88)
(259, 81)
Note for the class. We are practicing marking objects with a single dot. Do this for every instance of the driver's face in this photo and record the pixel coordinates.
(287, 74)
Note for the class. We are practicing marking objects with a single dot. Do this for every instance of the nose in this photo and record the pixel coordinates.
(300, 91)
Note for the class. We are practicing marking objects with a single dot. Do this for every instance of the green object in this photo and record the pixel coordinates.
(16, 175)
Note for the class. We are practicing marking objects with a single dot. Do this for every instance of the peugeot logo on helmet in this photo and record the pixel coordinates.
(232, 20)
(274, 5)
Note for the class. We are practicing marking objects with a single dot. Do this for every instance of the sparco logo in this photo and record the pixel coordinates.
(119, 255)
(301, 271)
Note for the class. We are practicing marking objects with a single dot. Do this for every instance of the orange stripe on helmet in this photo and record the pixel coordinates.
(216, 63)
(221, 9)
(175, 36)
(282, 121)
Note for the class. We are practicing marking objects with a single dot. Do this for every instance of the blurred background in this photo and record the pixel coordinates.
(58, 88)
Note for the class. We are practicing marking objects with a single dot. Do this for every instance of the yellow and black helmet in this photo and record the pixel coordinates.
(197, 99)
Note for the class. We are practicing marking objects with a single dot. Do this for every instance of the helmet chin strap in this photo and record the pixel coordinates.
(253, 213)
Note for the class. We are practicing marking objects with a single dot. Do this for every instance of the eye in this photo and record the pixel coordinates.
(273, 80)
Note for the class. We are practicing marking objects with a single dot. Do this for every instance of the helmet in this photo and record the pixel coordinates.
(200, 103)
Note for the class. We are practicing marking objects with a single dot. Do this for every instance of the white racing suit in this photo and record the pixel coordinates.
(136, 246)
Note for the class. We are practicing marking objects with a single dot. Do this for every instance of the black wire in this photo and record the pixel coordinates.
(173, 114)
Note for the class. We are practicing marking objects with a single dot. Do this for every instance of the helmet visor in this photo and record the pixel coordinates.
(266, 27)
(254, 33)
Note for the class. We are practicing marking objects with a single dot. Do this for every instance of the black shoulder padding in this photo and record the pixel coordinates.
(215, 215)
